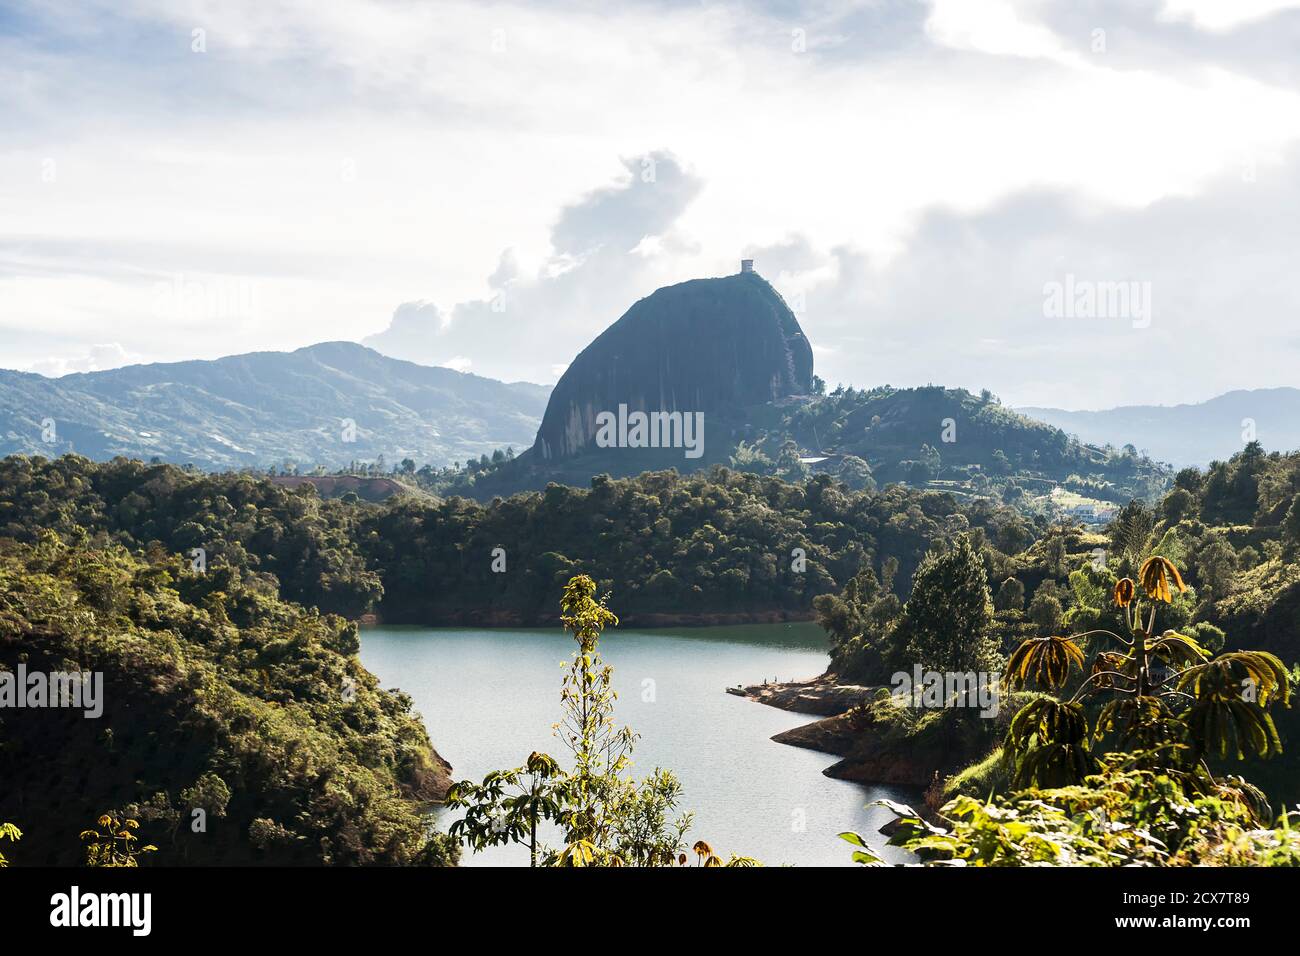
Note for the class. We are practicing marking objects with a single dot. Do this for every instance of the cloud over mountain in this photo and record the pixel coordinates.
(611, 247)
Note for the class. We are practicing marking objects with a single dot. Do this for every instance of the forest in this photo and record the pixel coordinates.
(1205, 729)
(227, 607)
(947, 439)
(713, 545)
(237, 728)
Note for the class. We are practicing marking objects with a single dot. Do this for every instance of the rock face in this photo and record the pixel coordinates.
(874, 757)
(824, 696)
(871, 752)
(712, 346)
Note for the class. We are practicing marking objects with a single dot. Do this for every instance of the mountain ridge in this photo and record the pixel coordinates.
(727, 351)
(260, 408)
(1189, 433)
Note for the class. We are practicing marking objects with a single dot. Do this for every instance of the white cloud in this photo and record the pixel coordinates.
(96, 359)
(614, 245)
(992, 26)
(393, 170)
(1223, 14)
(964, 305)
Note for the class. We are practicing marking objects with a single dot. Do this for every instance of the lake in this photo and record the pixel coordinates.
(490, 697)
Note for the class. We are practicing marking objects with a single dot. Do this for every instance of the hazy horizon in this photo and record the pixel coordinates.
(974, 388)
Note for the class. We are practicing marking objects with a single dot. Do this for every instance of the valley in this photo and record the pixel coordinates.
(856, 535)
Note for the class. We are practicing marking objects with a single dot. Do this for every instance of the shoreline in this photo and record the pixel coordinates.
(844, 730)
(822, 696)
(492, 618)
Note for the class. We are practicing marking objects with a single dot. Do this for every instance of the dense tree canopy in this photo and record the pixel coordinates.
(217, 697)
(682, 547)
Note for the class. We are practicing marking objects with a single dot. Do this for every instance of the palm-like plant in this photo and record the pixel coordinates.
(1230, 694)
(1053, 737)
(112, 842)
(8, 832)
(1168, 697)
(1047, 660)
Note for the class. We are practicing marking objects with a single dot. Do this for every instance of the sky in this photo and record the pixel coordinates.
(1074, 203)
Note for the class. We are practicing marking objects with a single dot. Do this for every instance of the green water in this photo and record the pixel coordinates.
(490, 697)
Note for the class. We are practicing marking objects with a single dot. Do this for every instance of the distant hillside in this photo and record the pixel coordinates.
(1190, 434)
(731, 350)
(266, 408)
(950, 437)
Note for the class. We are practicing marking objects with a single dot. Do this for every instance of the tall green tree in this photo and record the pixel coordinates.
(1011, 596)
(947, 622)
(1291, 528)
(601, 750)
